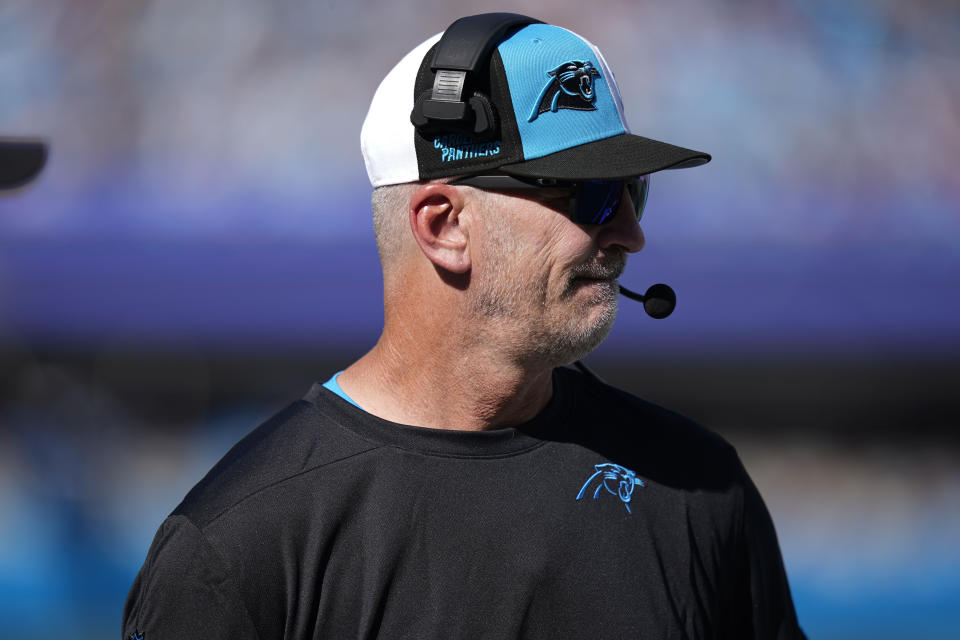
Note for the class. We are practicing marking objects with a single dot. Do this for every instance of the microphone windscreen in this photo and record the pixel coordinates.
(20, 161)
(659, 301)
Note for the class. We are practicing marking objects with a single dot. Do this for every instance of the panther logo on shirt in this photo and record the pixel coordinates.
(570, 87)
(617, 480)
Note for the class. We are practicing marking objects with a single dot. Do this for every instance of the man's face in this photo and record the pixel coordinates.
(548, 284)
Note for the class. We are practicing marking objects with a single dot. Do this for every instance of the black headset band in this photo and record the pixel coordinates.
(461, 53)
(466, 44)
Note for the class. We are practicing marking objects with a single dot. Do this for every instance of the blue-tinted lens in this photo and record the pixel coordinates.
(638, 190)
(597, 201)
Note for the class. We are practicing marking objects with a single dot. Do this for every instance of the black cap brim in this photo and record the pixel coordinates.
(621, 156)
(20, 161)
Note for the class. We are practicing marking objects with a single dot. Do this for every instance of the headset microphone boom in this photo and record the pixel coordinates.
(659, 301)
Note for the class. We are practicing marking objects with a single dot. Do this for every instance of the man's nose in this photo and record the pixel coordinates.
(624, 230)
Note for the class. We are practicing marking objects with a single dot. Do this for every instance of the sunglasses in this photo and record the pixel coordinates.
(592, 202)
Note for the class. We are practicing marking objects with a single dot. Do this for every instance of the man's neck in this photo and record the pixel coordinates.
(438, 380)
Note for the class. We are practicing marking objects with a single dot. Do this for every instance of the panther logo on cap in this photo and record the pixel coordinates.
(570, 87)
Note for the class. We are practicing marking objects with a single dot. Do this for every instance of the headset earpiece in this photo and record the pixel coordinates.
(476, 116)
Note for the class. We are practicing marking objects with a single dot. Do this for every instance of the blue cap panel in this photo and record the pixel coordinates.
(561, 97)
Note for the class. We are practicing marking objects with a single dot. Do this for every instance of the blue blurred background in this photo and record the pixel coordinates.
(199, 250)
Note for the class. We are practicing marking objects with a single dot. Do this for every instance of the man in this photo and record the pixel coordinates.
(456, 481)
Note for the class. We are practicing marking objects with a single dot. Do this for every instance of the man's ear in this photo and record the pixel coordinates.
(435, 210)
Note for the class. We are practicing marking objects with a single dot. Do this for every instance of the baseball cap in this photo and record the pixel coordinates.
(547, 106)
(21, 159)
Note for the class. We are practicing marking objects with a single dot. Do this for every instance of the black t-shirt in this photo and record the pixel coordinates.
(603, 517)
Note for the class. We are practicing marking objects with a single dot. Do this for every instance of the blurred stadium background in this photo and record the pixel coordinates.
(199, 250)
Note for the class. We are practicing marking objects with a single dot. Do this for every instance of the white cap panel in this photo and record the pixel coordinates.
(386, 138)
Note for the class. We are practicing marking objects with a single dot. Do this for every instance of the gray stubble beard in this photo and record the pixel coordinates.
(562, 348)
(503, 302)
(547, 346)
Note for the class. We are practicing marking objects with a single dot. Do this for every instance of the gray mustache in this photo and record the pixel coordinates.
(609, 267)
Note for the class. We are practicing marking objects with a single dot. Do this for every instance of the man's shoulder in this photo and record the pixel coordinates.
(632, 415)
(623, 426)
(301, 438)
